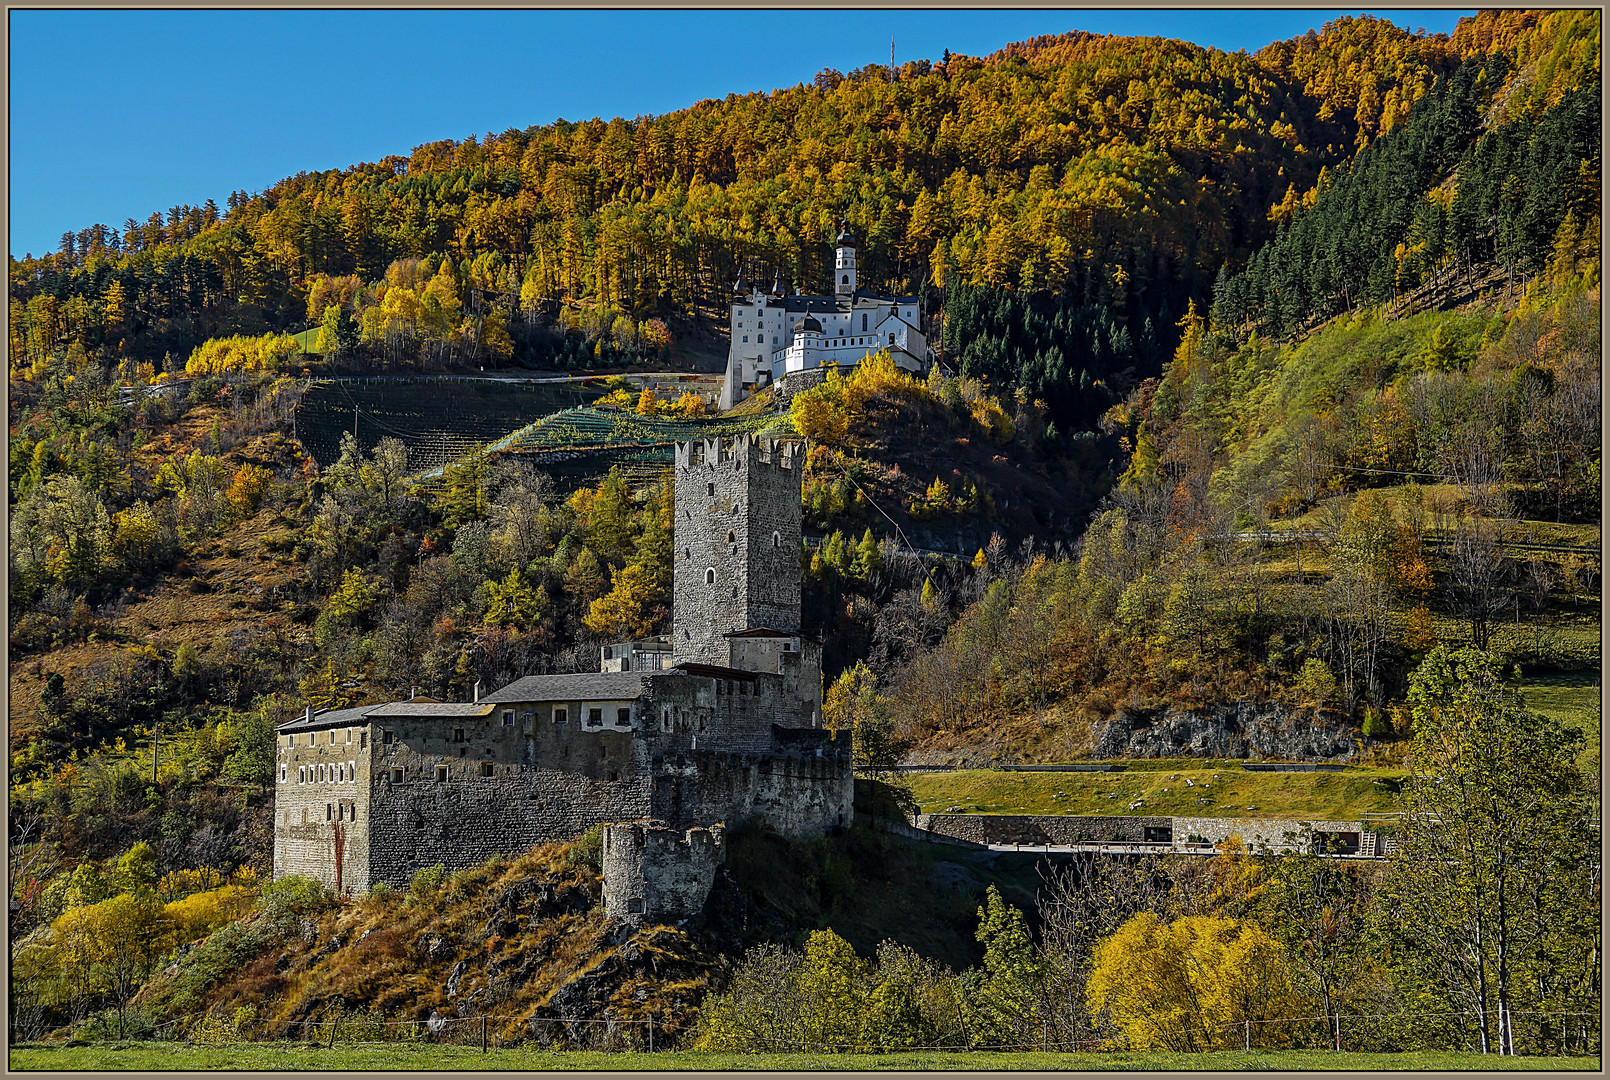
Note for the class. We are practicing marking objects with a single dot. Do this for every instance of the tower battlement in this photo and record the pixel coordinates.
(712, 453)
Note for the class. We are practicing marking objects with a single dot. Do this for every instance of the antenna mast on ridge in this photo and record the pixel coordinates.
(891, 58)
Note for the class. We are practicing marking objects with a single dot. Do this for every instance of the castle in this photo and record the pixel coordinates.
(720, 724)
(775, 335)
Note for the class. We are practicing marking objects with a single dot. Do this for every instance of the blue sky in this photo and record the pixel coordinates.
(115, 114)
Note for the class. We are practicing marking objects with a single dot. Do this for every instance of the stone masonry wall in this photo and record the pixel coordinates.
(656, 874)
(796, 791)
(322, 806)
(738, 519)
(506, 788)
(1065, 830)
(738, 714)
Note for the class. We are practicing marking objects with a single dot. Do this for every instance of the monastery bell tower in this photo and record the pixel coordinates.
(844, 264)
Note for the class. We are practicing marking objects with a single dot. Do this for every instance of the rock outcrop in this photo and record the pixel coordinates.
(1234, 729)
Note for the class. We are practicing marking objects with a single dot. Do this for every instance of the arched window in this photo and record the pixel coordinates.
(735, 509)
(863, 322)
(846, 280)
(710, 576)
(732, 536)
(776, 539)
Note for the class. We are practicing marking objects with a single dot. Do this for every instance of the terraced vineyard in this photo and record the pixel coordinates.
(585, 441)
(439, 419)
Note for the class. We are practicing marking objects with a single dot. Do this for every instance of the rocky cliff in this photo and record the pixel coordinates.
(1234, 729)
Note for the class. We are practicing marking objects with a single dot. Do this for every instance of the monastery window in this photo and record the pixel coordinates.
(595, 717)
(441, 774)
(352, 812)
(776, 539)
(458, 734)
(845, 280)
(349, 734)
(560, 716)
(363, 739)
(508, 717)
(385, 737)
(712, 489)
(329, 812)
(301, 774)
(352, 770)
(396, 776)
(788, 646)
(746, 339)
(863, 322)
(761, 338)
(282, 773)
(710, 576)
(623, 717)
(321, 774)
(486, 768)
(732, 536)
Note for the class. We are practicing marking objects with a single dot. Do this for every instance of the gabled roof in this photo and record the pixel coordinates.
(432, 708)
(768, 632)
(714, 671)
(586, 686)
(327, 718)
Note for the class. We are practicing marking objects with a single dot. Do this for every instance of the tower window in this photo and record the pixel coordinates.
(863, 322)
(559, 716)
(735, 509)
(396, 776)
(441, 774)
(845, 280)
(486, 768)
(732, 536)
(776, 539)
(710, 576)
(712, 488)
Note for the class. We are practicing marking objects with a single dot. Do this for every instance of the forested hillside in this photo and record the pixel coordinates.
(1265, 381)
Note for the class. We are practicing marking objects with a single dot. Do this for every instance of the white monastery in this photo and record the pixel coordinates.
(774, 334)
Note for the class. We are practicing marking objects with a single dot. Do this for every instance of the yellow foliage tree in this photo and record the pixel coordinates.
(1197, 983)
(247, 488)
(217, 356)
(630, 608)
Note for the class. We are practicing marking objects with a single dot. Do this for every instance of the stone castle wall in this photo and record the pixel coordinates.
(653, 873)
(321, 825)
(795, 791)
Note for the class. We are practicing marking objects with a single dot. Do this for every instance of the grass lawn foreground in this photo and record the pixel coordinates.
(170, 1057)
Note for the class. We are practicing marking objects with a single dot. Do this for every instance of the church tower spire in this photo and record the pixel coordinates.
(844, 262)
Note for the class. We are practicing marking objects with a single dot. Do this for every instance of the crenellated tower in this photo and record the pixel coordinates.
(737, 565)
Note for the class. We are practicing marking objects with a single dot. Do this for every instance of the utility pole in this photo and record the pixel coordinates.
(154, 726)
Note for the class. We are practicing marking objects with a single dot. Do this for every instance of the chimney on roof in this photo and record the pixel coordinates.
(413, 692)
(309, 716)
(477, 690)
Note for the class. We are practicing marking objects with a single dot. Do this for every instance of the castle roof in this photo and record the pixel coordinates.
(420, 706)
(808, 325)
(586, 686)
(768, 632)
(714, 671)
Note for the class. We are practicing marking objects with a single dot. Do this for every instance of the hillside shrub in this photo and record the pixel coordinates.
(587, 849)
(295, 894)
(427, 882)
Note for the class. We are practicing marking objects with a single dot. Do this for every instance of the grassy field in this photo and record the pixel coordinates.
(167, 1057)
(307, 339)
(1570, 697)
(1221, 789)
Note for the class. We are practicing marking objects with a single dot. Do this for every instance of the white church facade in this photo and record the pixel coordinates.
(774, 334)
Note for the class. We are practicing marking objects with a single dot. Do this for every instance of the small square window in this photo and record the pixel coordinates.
(458, 734)
(595, 717)
(385, 737)
(441, 774)
(363, 739)
(560, 716)
(623, 717)
(508, 717)
(486, 768)
(396, 776)
(712, 488)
